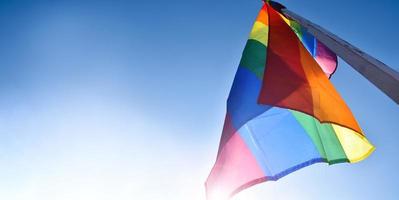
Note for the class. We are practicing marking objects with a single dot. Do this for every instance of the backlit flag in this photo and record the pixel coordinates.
(283, 113)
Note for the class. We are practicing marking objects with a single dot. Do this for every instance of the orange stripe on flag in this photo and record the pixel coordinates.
(294, 80)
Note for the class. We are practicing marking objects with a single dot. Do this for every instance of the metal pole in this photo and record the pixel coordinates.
(382, 76)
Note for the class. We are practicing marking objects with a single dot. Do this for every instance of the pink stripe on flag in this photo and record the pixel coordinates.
(326, 59)
(235, 169)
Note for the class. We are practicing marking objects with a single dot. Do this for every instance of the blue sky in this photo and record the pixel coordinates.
(126, 99)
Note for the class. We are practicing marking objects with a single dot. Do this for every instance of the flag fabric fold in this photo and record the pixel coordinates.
(283, 113)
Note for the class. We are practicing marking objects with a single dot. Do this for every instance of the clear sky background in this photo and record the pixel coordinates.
(125, 100)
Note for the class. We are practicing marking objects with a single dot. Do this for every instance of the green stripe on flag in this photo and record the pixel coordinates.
(324, 137)
(254, 57)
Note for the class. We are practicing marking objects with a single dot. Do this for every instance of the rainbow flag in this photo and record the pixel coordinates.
(283, 113)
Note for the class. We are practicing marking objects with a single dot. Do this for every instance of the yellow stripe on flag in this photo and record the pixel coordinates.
(260, 33)
(356, 146)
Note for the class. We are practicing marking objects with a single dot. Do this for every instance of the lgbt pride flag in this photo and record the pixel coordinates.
(283, 113)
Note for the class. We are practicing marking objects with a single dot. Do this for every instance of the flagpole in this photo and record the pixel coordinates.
(378, 73)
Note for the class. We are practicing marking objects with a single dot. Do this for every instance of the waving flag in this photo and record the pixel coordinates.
(283, 113)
